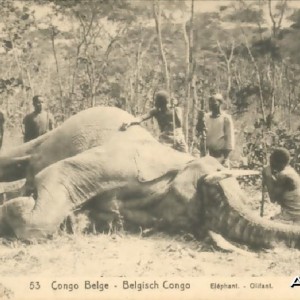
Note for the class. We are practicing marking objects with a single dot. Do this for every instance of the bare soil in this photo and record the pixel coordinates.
(125, 254)
(129, 255)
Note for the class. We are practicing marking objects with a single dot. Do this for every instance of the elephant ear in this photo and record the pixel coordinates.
(155, 160)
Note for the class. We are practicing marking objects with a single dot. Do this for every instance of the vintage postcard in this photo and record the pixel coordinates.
(149, 149)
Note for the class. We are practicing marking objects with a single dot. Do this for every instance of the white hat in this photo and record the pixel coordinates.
(218, 97)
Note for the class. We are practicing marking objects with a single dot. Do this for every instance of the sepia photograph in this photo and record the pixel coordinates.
(149, 149)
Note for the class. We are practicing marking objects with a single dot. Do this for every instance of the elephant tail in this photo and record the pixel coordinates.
(225, 212)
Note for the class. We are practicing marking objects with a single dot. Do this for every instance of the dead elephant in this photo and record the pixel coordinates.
(150, 185)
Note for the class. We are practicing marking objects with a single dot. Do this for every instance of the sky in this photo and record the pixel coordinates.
(213, 5)
(200, 6)
(208, 6)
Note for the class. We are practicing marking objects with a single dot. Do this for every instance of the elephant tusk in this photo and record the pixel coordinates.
(227, 246)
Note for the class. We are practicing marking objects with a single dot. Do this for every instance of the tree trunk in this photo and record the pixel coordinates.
(157, 17)
(259, 81)
(57, 71)
(189, 43)
(187, 82)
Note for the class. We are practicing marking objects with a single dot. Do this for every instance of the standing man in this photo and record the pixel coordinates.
(171, 135)
(38, 122)
(219, 130)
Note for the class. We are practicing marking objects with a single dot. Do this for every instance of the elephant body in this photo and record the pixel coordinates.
(87, 129)
(146, 184)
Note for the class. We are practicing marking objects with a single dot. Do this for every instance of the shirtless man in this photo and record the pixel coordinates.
(283, 184)
(164, 116)
(38, 122)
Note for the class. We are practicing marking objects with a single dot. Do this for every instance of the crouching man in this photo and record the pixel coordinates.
(283, 184)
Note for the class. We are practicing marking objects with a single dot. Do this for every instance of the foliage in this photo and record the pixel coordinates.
(84, 53)
(259, 144)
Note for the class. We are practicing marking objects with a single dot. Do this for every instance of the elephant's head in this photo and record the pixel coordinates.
(225, 212)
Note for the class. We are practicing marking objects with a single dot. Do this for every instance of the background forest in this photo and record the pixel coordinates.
(81, 53)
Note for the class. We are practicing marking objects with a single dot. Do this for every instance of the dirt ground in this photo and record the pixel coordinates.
(133, 255)
(128, 255)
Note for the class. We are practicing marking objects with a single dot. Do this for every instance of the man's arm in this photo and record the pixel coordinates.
(146, 116)
(229, 136)
(2, 120)
(140, 119)
(270, 181)
(51, 121)
(178, 115)
(276, 185)
(24, 128)
(201, 122)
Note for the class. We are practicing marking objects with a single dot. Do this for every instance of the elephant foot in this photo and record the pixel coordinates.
(15, 212)
(18, 215)
(11, 190)
(117, 220)
(77, 223)
(110, 222)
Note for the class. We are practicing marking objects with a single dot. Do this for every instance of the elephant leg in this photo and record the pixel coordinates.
(111, 214)
(11, 190)
(107, 222)
(104, 212)
(142, 219)
(30, 187)
(77, 222)
(18, 215)
(29, 218)
(15, 214)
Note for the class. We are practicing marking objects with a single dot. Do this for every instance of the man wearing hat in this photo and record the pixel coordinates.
(169, 134)
(219, 130)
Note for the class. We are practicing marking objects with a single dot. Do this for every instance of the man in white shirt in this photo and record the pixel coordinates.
(219, 130)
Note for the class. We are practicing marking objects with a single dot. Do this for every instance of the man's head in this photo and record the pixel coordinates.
(279, 159)
(37, 102)
(215, 102)
(161, 100)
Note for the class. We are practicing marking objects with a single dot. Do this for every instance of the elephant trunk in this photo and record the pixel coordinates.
(14, 162)
(225, 212)
(30, 218)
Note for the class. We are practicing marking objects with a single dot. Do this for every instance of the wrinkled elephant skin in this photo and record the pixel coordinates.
(85, 130)
(145, 184)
